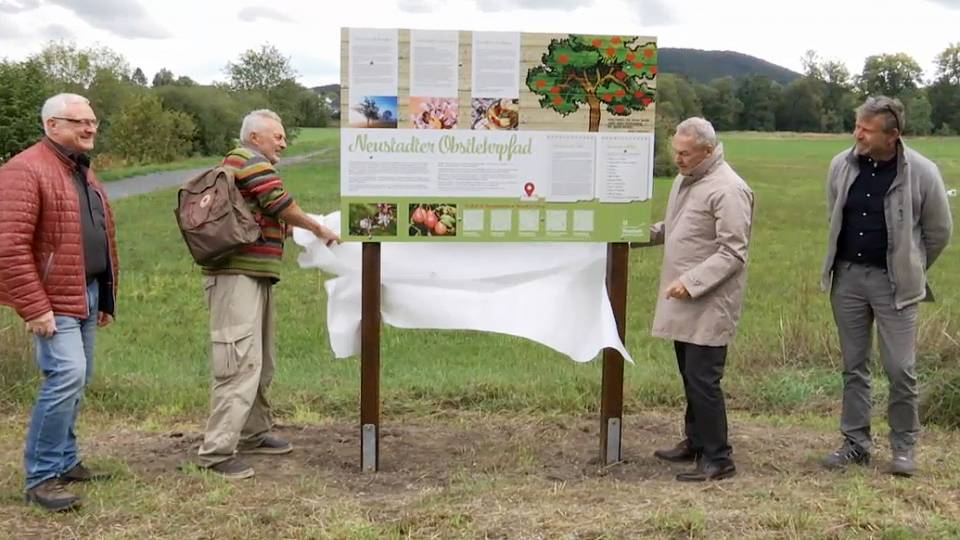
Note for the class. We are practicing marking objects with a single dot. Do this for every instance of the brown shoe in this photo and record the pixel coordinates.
(79, 473)
(709, 471)
(681, 453)
(52, 495)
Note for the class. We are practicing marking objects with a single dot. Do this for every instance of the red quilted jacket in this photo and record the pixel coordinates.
(41, 243)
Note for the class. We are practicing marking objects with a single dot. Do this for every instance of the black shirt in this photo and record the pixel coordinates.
(863, 236)
(93, 221)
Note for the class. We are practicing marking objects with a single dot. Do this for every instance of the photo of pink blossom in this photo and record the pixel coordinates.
(433, 113)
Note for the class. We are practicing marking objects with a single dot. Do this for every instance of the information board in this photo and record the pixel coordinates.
(496, 136)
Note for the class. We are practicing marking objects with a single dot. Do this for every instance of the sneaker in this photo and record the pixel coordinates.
(269, 445)
(52, 495)
(903, 463)
(79, 473)
(232, 469)
(847, 454)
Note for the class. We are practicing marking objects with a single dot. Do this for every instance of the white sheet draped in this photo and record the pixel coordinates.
(551, 293)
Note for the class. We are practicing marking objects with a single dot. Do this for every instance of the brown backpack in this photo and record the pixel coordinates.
(213, 216)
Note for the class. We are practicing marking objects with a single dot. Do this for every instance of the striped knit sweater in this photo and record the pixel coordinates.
(263, 190)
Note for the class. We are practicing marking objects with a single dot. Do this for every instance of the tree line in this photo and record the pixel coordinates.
(172, 118)
(820, 101)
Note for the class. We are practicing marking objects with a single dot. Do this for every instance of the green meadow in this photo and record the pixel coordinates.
(510, 427)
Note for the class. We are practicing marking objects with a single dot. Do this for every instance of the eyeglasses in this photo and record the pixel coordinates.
(87, 122)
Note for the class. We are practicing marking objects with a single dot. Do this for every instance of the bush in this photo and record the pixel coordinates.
(23, 89)
(217, 113)
(142, 132)
(667, 120)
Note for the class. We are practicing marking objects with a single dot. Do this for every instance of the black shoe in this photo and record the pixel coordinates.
(79, 473)
(51, 495)
(715, 470)
(269, 445)
(849, 453)
(681, 453)
(232, 469)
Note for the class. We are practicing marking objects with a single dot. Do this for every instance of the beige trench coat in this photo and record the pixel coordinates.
(705, 233)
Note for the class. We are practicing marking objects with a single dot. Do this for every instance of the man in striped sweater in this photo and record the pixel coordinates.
(239, 291)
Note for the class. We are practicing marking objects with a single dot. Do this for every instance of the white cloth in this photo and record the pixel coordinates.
(551, 293)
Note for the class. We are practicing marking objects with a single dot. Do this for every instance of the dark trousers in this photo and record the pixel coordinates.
(705, 422)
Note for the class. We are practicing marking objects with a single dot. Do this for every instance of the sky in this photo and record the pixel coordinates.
(198, 37)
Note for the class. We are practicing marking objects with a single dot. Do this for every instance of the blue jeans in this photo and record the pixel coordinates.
(66, 360)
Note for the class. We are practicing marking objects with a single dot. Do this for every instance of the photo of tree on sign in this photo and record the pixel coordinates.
(374, 112)
(600, 71)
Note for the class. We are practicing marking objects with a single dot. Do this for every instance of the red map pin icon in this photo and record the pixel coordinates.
(528, 188)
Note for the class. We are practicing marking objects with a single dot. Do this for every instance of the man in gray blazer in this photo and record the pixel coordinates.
(889, 221)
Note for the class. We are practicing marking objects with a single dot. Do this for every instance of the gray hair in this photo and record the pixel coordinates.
(57, 104)
(890, 108)
(254, 122)
(700, 129)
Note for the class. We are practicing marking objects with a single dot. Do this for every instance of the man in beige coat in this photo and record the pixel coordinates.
(705, 236)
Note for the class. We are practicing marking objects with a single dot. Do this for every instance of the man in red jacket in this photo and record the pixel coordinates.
(58, 270)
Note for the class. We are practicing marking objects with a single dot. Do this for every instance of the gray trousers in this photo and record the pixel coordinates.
(860, 296)
(242, 359)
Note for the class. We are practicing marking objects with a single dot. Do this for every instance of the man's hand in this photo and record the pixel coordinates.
(104, 319)
(326, 234)
(677, 290)
(293, 215)
(43, 326)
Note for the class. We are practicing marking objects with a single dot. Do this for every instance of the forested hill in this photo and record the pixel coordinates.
(695, 64)
(704, 66)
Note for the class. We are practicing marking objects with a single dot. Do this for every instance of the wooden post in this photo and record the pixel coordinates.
(611, 392)
(370, 359)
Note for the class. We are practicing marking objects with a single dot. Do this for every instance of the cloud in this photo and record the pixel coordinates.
(315, 70)
(507, 5)
(16, 6)
(57, 32)
(125, 18)
(9, 31)
(420, 6)
(253, 13)
(652, 12)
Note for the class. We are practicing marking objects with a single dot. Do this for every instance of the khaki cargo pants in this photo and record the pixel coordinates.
(242, 361)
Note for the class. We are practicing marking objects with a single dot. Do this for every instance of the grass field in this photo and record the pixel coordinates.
(307, 140)
(489, 435)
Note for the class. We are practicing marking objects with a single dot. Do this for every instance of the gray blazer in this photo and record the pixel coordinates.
(918, 218)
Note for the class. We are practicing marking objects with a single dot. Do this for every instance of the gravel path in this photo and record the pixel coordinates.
(151, 182)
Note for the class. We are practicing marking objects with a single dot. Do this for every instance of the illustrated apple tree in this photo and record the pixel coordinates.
(609, 72)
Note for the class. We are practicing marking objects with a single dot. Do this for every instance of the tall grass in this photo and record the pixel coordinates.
(153, 361)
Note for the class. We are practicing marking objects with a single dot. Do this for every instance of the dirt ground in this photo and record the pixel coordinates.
(478, 476)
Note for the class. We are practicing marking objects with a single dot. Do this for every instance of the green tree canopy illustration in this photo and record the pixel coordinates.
(600, 71)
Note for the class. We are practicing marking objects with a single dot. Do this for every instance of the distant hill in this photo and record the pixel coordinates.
(334, 88)
(704, 66)
(695, 64)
